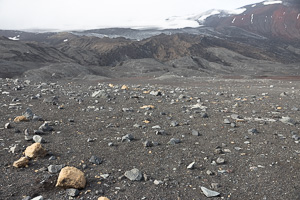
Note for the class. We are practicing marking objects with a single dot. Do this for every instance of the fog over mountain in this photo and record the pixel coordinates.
(93, 14)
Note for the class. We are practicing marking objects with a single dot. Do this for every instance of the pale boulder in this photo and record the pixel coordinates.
(22, 162)
(103, 198)
(35, 150)
(21, 118)
(71, 177)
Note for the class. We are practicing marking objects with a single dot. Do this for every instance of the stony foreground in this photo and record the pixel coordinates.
(150, 139)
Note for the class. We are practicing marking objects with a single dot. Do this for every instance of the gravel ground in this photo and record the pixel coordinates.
(239, 137)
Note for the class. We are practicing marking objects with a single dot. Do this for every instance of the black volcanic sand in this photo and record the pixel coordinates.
(264, 165)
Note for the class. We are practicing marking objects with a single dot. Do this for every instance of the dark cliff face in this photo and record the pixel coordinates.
(281, 21)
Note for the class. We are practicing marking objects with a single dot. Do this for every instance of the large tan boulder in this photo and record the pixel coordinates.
(35, 150)
(71, 177)
(103, 198)
(22, 162)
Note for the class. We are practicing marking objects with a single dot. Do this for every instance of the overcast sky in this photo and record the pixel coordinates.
(88, 14)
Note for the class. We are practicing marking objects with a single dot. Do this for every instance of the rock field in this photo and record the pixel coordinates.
(135, 138)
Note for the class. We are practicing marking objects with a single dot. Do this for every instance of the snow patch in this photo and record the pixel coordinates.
(15, 38)
(271, 2)
(233, 20)
(66, 40)
(202, 17)
(298, 16)
(252, 16)
(253, 5)
(207, 14)
(236, 11)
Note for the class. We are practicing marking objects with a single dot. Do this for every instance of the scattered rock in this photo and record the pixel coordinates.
(174, 141)
(124, 87)
(45, 127)
(53, 169)
(7, 126)
(100, 94)
(21, 118)
(288, 120)
(191, 166)
(28, 114)
(253, 131)
(226, 121)
(27, 136)
(95, 160)
(103, 198)
(71, 177)
(38, 198)
(209, 193)
(220, 161)
(155, 93)
(174, 123)
(35, 150)
(22, 162)
(127, 138)
(156, 127)
(38, 139)
(215, 185)
(208, 172)
(134, 175)
(158, 182)
(195, 133)
(51, 100)
(72, 192)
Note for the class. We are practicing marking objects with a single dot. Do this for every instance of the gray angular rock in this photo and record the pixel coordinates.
(288, 120)
(7, 125)
(209, 193)
(53, 169)
(191, 166)
(28, 113)
(134, 175)
(226, 121)
(195, 133)
(156, 127)
(160, 132)
(95, 160)
(204, 115)
(38, 198)
(100, 94)
(253, 131)
(174, 123)
(235, 116)
(38, 139)
(127, 138)
(72, 192)
(147, 143)
(174, 141)
(45, 127)
(155, 93)
(158, 182)
(220, 161)
(295, 109)
(51, 100)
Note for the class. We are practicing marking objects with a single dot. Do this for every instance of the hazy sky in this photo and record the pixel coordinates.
(87, 14)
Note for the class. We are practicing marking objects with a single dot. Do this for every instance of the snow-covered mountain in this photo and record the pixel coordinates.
(272, 19)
